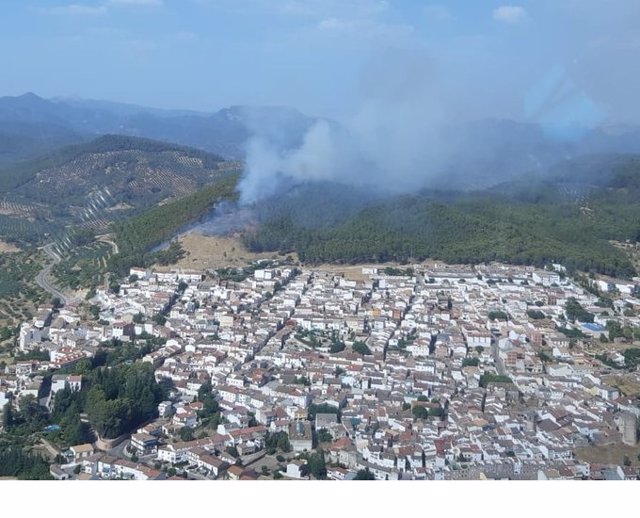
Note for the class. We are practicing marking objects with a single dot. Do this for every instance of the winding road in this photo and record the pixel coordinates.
(44, 275)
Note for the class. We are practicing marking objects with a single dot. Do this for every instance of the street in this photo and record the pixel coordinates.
(42, 279)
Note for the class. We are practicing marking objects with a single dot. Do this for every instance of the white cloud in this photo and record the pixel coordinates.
(437, 12)
(76, 10)
(96, 10)
(358, 8)
(304, 8)
(368, 29)
(151, 3)
(509, 14)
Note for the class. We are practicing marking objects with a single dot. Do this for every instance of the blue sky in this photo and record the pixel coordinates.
(479, 57)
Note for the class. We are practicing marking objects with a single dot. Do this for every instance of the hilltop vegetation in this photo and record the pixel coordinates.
(567, 215)
(136, 171)
(461, 232)
(93, 183)
(564, 219)
(138, 235)
(19, 295)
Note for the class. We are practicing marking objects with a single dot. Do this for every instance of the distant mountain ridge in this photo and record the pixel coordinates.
(127, 174)
(73, 120)
(488, 151)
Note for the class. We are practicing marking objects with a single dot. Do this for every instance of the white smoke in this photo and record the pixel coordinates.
(393, 142)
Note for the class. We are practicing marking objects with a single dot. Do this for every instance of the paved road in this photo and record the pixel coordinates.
(118, 451)
(108, 240)
(496, 357)
(43, 279)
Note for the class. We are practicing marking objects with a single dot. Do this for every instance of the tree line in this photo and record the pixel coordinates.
(466, 229)
(138, 235)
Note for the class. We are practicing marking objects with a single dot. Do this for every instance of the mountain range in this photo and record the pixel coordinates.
(494, 150)
(515, 194)
(31, 125)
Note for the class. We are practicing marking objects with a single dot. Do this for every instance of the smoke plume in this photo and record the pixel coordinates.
(392, 142)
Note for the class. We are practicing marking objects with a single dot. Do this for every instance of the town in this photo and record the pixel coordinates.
(414, 372)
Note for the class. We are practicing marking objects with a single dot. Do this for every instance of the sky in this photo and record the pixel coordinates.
(528, 60)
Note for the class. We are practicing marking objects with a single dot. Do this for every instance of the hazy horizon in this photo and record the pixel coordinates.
(531, 61)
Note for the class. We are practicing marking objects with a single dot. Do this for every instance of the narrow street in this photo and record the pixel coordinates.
(496, 358)
(44, 276)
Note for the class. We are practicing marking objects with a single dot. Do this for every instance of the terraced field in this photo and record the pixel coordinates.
(18, 293)
(23, 230)
(23, 210)
(85, 266)
(132, 173)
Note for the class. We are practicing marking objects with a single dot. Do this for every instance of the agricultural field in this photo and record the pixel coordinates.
(84, 267)
(24, 231)
(19, 294)
(7, 247)
(29, 211)
(213, 252)
(131, 171)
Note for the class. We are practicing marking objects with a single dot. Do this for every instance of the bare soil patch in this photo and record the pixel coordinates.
(628, 384)
(613, 454)
(212, 252)
(7, 247)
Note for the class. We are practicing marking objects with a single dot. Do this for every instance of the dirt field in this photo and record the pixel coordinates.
(217, 252)
(354, 272)
(626, 384)
(609, 454)
(7, 247)
(221, 252)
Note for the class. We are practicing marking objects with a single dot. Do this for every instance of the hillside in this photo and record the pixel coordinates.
(567, 218)
(485, 151)
(88, 185)
(137, 236)
(135, 171)
(31, 125)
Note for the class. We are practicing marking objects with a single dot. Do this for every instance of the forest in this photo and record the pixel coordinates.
(116, 401)
(138, 235)
(15, 462)
(564, 219)
(15, 175)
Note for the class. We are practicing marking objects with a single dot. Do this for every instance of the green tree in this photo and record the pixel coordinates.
(283, 443)
(316, 465)
(210, 407)
(95, 311)
(364, 474)
(574, 311)
(16, 462)
(159, 319)
(337, 347)
(114, 286)
(233, 451)
(535, 314)
(204, 391)
(420, 412)
(361, 348)
(7, 416)
(324, 435)
(498, 315)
